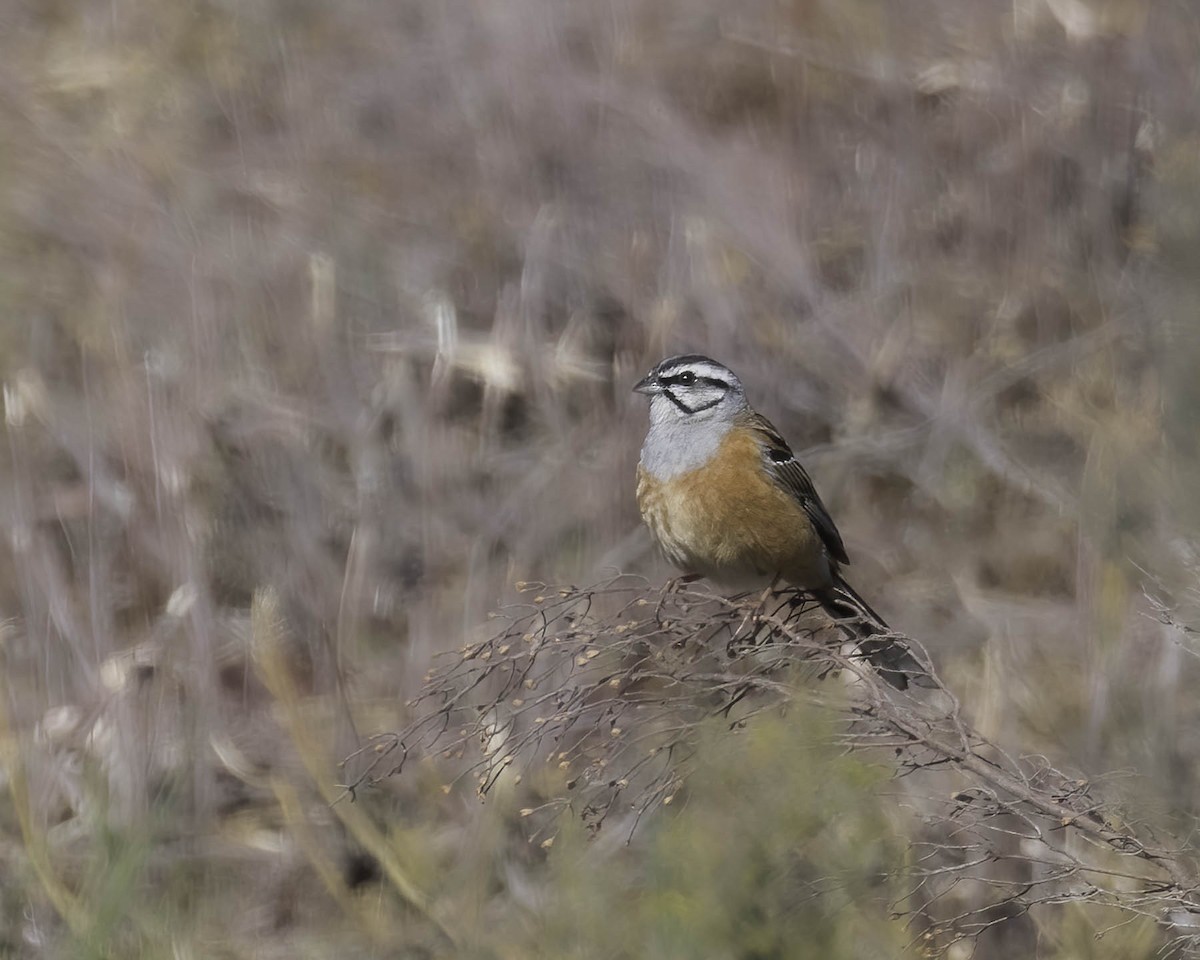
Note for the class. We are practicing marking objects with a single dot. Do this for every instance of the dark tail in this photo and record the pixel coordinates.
(890, 657)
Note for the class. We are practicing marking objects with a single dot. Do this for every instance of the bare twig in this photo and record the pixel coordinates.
(611, 683)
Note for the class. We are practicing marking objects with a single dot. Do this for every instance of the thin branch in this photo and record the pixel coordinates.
(614, 682)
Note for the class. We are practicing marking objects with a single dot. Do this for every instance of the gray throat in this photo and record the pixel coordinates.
(674, 447)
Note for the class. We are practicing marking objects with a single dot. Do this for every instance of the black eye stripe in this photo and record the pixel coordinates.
(678, 380)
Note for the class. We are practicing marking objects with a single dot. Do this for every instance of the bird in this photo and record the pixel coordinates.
(726, 499)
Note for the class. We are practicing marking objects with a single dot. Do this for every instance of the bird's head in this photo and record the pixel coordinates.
(692, 389)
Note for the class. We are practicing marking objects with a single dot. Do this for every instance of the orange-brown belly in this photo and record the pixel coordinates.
(728, 521)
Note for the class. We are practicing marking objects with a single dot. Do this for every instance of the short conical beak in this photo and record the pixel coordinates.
(646, 385)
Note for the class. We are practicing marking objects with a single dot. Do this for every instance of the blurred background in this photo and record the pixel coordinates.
(340, 304)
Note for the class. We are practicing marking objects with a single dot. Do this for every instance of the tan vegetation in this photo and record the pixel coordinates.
(317, 327)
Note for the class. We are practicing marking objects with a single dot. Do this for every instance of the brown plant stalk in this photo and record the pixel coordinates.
(612, 683)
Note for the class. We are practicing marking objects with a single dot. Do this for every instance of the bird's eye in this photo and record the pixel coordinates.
(686, 379)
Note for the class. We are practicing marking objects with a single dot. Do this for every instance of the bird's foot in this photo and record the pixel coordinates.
(670, 588)
(746, 634)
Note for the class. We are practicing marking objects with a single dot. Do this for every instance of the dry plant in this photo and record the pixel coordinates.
(614, 683)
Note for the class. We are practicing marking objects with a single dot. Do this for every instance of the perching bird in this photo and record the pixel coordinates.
(725, 498)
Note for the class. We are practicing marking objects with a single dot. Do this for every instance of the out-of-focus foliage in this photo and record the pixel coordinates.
(780, 848)
(337, 305)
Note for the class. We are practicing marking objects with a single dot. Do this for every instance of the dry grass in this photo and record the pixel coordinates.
(338, 305)
(599, 705)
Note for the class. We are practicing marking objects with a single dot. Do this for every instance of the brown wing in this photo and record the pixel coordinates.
(786, 471)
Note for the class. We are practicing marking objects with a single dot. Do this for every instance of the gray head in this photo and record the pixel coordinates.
(693, 403)
(692, 389)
